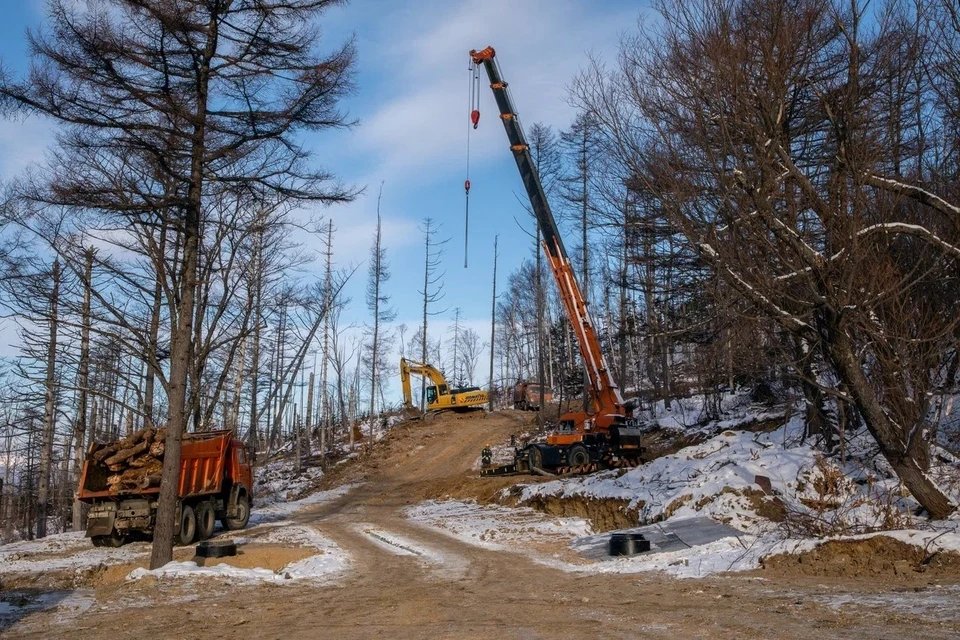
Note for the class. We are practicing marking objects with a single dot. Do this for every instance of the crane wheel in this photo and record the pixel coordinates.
(577, 456)
(535, 457)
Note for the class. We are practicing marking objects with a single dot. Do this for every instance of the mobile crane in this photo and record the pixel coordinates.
(439, 394)
(607, 435)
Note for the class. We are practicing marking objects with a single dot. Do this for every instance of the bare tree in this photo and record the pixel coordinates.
(432, 287)
(378, 302)
(247, 79)
(764, 129)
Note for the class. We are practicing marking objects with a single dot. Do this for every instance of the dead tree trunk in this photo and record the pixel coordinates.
(83, 381)
(49, 420)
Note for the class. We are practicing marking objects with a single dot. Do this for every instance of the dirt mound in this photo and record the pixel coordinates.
(879, 556)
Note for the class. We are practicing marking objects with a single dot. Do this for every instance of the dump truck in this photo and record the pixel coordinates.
(530, 396)
(439, 394)
(121, 483)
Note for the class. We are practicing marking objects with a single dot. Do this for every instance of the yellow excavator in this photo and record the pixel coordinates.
(439, 394)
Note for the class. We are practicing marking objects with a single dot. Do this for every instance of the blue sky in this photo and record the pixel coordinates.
(412, 107)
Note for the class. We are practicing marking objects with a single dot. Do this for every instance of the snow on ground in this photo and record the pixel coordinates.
(933, 603)
(692, 413)
(277, 481)
(330, 562)
(277, 513)
(810, 498)
(63, 551)
(719, 478)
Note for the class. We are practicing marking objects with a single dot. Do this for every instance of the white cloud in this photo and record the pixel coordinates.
(541, 46)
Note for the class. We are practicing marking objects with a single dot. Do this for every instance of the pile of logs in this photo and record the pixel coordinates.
(136, 462)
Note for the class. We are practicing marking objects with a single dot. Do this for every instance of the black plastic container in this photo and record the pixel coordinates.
(628, 544)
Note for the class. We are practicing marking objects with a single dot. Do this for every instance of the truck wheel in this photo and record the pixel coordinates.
(188, 526)
(242, 517)
(206, 520)
(577, 456)
(113, 540)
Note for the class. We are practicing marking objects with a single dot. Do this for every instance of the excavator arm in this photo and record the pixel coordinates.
(607, 401)
(405, 384)
(418, 368)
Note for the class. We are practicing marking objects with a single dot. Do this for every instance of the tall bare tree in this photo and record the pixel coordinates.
(768, 133)
(205, 97)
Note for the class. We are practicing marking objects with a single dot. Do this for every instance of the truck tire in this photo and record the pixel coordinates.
(188, 526)
(577, 455)
(242, 517)
(206, 520)
(113, 540)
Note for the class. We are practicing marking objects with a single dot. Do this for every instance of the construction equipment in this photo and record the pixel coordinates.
(121, 483)
(607, 435)
(439, 394)
(530, 396)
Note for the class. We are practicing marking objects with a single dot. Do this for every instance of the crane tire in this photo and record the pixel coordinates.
(577, 456)
(535, 457)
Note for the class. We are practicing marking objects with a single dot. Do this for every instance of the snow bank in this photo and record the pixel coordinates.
(277, 481)
(493, 527)
(63, 551)
(330, 562)
(277, 513)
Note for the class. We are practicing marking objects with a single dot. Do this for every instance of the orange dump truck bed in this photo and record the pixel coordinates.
(202, 469)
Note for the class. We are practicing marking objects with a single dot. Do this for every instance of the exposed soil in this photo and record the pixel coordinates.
(472, 592)
(879, 556)
(603, 515)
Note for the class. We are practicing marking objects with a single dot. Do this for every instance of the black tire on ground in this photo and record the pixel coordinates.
(243, 515)
(217, 549)
(206, 520)
(188, 526)
(113, 540)
(577, 455)
(536, 457)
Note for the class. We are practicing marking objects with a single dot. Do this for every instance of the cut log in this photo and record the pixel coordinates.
(157, 449)
(161, 435)
(125, 454)
(146, 482)
(106, 451)
(140, 462)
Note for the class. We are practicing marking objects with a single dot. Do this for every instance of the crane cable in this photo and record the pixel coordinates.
(474, 109)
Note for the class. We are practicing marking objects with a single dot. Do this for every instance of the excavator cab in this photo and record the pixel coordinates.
(431, 394)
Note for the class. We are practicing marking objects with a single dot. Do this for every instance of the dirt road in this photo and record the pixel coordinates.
(406, 581)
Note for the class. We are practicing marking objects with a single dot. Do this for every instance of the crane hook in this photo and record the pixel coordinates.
(475, 118)
(466, 186)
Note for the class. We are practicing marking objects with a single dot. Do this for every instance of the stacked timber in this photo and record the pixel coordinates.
(136, 462)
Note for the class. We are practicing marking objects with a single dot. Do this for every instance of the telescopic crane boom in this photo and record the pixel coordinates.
(608, 408)
(605, 394)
